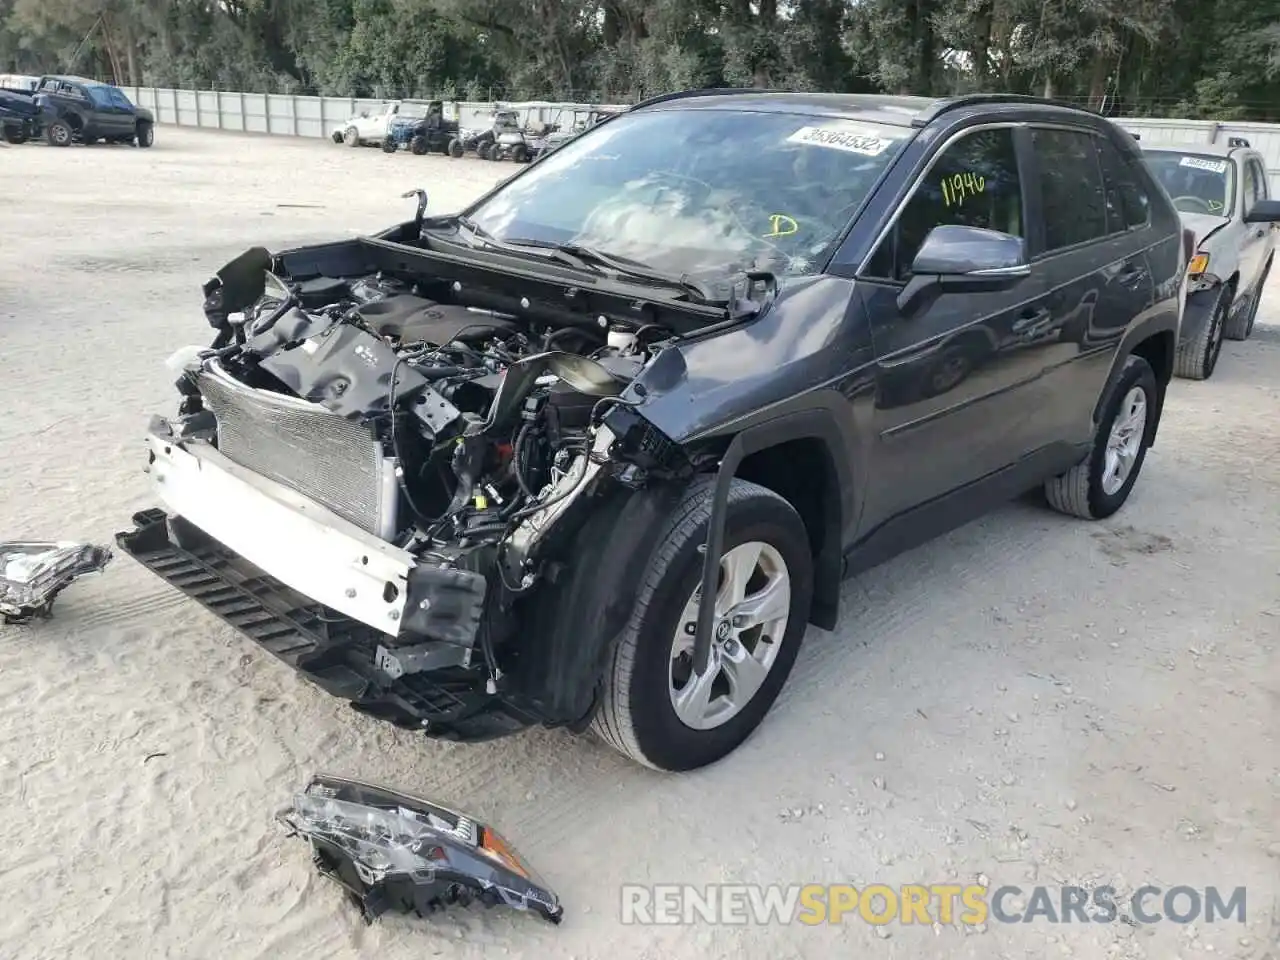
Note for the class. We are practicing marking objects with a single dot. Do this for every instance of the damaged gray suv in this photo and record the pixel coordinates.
(471, 473)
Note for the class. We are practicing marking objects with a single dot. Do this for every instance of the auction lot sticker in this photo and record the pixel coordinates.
(848, 137)
(1200, 163)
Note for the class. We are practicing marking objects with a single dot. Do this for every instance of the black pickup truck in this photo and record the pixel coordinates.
(21, 117)
(76, 110)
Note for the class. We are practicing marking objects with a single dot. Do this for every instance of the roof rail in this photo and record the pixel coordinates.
(977, 99)
(708, 92)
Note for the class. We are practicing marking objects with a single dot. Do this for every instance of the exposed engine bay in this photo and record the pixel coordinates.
(480, 413)
(383, 453)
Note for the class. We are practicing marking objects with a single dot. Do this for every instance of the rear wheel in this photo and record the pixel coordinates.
(519, 153)
(14, 135)
(653, 707)
(455, 148)
(1242, 326)
(58, 133)
(1099, 485)
(351, 137)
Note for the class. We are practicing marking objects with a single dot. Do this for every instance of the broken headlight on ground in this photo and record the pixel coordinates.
(391, 851)
(33, 573)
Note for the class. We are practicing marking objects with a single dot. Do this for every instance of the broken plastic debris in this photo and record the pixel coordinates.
(393, 851)
(33, 573)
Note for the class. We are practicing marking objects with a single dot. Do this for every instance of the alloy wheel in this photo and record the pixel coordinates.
(752, 607)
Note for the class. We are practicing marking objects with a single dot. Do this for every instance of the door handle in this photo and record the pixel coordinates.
(1030, 318)
(1132, 273)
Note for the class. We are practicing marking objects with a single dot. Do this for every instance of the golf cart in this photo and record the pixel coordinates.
(569, 122)
(481, 140)
(420, 125)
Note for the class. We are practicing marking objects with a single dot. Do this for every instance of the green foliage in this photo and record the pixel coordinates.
(1159, 57)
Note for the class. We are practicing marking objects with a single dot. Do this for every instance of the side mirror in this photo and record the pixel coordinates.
(1264, 211)
(956, 259)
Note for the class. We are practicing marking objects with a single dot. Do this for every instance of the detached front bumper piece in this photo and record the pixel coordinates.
(391, 851)
(333, 651)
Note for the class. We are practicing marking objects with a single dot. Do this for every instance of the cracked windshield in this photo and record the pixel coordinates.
(706, 193)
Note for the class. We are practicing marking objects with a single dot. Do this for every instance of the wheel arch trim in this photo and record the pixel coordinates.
(813, 423)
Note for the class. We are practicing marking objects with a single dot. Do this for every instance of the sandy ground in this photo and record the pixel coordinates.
(1030, 699)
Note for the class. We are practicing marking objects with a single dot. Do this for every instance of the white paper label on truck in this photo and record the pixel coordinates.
(843, 136)
(1200, 163)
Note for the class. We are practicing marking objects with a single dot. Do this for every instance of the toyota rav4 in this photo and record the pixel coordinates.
(478, 472)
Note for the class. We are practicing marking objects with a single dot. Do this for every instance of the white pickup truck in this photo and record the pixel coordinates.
(368, 127)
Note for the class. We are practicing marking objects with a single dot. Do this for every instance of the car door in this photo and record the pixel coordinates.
(1093, 261)
(380, 122)
(123, 117)
(954, 382)
(1255, 241)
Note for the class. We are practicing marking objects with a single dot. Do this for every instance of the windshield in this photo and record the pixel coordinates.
(412, 111)
(1197, 183)
(700, 192)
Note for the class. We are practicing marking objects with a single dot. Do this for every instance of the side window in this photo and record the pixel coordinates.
(974, 183)
(1264, 187)
(1128, 206)
(1075, 209)
(1255, 183)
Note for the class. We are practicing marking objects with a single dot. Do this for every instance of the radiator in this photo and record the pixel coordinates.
(333, 461)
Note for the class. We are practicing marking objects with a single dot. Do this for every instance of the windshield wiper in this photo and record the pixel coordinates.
(621, 266)
(518, 246)
(592, 260)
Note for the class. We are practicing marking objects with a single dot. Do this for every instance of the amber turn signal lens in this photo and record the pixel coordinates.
(1198, 265)
(499, 849)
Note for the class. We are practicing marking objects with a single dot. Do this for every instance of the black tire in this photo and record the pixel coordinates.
(388, 145)
(1241, 326)
(418, 146)
(58, 133)
(351, 137)
(146, 135)
(14, 135)
(336, 137)
(1080, 492)
(519, 153)
(636, 715)
(1197, 357)
(455, 148)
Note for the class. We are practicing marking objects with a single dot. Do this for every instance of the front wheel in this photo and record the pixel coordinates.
(653, 708)
(58, 133)
(418, 146)
(1099, 485)
(146, 135)
(1197, 357)
(455, 148)
(351, 137)
(388, 146)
